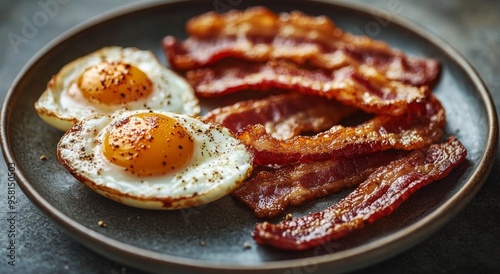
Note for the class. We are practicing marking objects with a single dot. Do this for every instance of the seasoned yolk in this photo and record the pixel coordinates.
(114, 83)
(148, 144)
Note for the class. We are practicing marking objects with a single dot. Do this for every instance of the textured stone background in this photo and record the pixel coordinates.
(468, 244)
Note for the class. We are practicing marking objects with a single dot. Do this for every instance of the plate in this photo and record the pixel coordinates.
(212, 237)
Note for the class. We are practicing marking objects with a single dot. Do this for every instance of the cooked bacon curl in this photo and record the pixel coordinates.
(257, 34)
(417, 129)
(378, 196)
(270, 192)
(284, 116)
(362, 87)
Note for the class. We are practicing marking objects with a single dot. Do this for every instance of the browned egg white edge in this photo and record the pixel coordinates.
(157, 203)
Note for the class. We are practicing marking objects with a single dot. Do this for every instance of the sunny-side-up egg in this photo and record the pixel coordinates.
(111, 79)
(155, 160)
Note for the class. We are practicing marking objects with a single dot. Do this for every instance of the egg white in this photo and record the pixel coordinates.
(219, 164)
(62, 103)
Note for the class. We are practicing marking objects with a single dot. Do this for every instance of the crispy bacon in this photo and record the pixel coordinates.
(271, 191)
(362, 87)
(378, 196)
(284, 116)
(417, 129)
(257, 34)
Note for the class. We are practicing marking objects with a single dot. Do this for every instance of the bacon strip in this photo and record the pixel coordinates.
(271, 191)
(375, 198)
(417, 129)
(284, 116)
(361, 87)
(257, 34)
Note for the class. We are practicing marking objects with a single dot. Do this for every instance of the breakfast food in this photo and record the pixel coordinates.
(417, 129)
(305, 179)
(111, 79)
(258, 34)
(301, 148)
(378, 196)
(153, 159)
(362, 87)
(296, 184)
(231, 52)
(283, 116)
(130, 139)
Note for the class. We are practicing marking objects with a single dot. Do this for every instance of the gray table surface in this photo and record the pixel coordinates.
(470, 243)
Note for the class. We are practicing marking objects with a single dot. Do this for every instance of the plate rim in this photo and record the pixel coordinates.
(373, 252)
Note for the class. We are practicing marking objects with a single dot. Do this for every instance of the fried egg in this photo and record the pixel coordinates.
(155, 159)
(111, 79)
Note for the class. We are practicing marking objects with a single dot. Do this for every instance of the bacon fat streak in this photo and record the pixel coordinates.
(375, 198)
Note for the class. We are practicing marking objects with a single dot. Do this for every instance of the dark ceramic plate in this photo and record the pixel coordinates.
(212, 237)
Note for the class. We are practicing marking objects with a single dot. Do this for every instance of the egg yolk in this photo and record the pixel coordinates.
(114, 83)
(148, 144)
